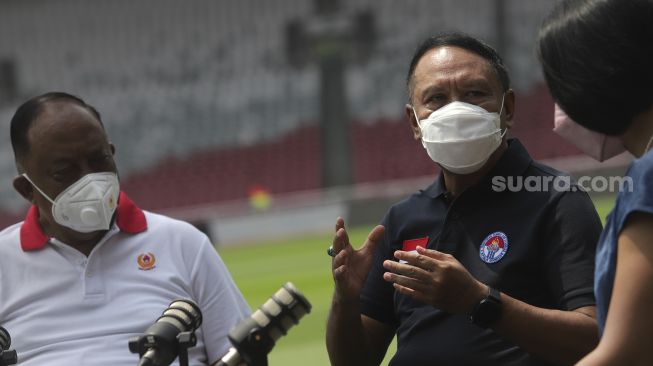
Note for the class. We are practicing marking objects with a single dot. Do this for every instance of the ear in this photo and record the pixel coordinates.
(24, 187)
(509, 108)
(113, 149)
(414, 125)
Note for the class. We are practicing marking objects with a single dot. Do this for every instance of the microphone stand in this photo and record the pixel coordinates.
(186, 340)
(8, 357)
(143, 343)
(251, 342)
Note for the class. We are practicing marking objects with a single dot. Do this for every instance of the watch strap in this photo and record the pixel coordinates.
(488, 310)
(494, 295)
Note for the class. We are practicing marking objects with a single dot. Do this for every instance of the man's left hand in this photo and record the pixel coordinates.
(435, 278)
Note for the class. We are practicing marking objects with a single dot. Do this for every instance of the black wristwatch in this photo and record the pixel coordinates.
(488, 310)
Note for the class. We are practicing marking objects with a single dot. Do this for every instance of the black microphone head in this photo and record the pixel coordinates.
(254, 337)
(5, 339)
(172, 332)
(296, 300)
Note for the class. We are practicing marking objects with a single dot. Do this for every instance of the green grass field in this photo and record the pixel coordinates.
(259, 270)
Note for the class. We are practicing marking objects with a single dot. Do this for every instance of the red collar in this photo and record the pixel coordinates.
(129, 219)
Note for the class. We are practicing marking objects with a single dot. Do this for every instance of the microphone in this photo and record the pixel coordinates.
(254, 337)
(170, 336)
(7, 357)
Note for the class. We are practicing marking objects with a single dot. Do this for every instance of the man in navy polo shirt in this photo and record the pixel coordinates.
(468, 271)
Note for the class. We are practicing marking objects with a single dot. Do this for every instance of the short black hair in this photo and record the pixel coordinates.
(465, 41)
(25, 115)
(597, 59)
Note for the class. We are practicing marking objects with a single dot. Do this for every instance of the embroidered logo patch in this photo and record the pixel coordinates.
(411, 245)
(146, 261)
(494, 247)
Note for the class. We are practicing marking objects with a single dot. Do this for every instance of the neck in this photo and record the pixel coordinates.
(457, 183)
(637, 138)
(83, 242)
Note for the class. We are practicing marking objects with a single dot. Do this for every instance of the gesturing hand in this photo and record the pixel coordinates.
(435, 278)
(350, 267)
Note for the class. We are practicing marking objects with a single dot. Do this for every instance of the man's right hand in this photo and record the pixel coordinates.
(350, 267)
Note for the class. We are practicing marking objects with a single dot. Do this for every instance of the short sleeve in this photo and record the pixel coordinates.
(377, 296)
(637, 190)
(569, 250)
(222, 304)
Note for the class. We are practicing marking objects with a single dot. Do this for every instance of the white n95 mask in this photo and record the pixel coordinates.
(460, 136)
(88, 204)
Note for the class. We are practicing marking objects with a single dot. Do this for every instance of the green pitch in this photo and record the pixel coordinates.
(259, 270)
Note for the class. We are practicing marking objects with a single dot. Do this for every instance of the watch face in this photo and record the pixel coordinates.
(487, 312)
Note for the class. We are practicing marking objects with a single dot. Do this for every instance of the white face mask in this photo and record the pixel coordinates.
(88, 204)
(460, 136)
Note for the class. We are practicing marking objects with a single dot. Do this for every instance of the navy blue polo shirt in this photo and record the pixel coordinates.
(536, 246)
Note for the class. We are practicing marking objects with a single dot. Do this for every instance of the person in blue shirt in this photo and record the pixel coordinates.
(597, 58)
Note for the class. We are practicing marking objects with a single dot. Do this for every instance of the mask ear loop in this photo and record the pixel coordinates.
(37, 188)
(503, 98)
(505, 130)
(648, 146)
(415, 114)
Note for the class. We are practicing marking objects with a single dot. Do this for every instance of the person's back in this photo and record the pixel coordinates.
(596, 58)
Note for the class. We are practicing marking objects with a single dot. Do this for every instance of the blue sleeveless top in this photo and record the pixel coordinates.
(635, 195)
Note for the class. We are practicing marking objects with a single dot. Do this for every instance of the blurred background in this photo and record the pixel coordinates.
(261, 121)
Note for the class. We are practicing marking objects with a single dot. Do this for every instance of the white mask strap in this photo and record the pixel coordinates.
(648, 146)
(503, 97)
(505, 130)
(415, 113)
(37, 188)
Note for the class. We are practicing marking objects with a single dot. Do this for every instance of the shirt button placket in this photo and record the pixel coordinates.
(92, 282)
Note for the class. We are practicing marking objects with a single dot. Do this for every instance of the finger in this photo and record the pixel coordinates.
(433, 253)
(340, 240)
(424, 262)
(340, 259)
(404, 281)
(340, 223)
(339, 273)
(373, 239)
(404, 290)
(407, 270)
(417, 295)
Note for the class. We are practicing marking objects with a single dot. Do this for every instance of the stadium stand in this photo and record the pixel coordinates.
(202, 104)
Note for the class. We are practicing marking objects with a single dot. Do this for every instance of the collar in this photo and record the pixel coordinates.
(514, 161)
(129, 219)
(436, 188)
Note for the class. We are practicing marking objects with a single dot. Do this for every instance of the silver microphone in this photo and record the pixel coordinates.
(254, 337)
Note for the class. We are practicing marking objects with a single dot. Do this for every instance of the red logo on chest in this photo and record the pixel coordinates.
(146, 261)
(411, 244)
